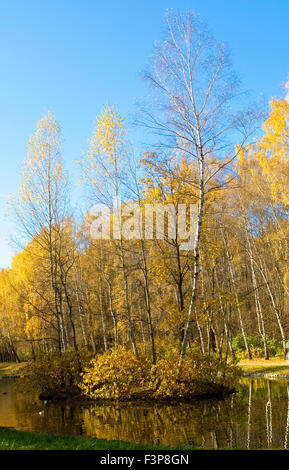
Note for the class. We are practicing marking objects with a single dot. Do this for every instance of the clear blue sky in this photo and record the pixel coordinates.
(74, 56)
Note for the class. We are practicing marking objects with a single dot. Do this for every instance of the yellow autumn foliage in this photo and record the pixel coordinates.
(115, 374)
(118, 374)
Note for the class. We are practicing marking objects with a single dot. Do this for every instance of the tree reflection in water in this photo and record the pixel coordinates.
(255, 417)
(287, 422)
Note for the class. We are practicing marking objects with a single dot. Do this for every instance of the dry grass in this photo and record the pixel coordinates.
(11, 368)
(275, 364)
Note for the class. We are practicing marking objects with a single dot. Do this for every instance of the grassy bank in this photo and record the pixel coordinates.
(11, 368)
(10, 439)
(272, 366)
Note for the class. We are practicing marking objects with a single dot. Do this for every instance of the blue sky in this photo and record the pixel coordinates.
(72, 57)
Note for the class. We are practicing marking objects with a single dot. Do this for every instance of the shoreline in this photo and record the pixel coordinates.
(267, 375)
(272, 369)
(11, 369)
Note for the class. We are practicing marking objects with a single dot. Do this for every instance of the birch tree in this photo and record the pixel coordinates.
(195, 112)
(41, 206)
(104, 170)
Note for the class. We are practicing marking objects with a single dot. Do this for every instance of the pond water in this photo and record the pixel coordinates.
(256, 417)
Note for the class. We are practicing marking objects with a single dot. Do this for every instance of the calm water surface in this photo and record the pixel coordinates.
(256, 417)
